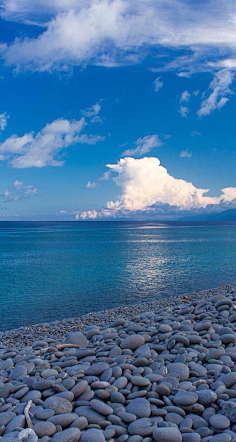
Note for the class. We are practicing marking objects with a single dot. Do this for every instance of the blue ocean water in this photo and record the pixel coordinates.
(54, 270)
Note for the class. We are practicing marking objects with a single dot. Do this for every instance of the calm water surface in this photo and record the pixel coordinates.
(55, 270)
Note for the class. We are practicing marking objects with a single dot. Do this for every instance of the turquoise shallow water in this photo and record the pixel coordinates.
(55, 270)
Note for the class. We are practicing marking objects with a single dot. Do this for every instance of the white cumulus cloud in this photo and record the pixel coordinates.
(218, 92)
(146, 184)
(45, 147)
(143, 145)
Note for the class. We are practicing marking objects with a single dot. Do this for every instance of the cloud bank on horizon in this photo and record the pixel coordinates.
(145, 183)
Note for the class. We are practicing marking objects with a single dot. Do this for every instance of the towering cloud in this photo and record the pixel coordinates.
(145, 183)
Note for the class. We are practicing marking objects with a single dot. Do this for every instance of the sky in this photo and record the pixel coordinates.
(114, 110)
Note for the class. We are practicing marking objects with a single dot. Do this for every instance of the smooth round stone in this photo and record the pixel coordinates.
(140, 407)
(127, 417)
(30, 366)
(6, 417)
(132, 342)
(44, 429)
(32, 395)
(93, 435)
(228, 339)
(118, 397)
(228, 379)
(191, 437)
(174, 418)
(163, 390)
(32, 438)
(58, 404)
(43, 384)
(68, 383)
(79, 388)
(184, 398)
(135, 438)
(8, 363)
(70, 435)
(77, 338)
(96, 369)
(229, 410)
(101, 407)
(219, 421)
(198, 421)
(165, 328)
(20, 393)
(202, 325)
(143, 427)
(120, 382)
(81, 423)
(223, 437)
(109, 433)
(91, 415)
(6, 390)
(167, 434)
(206, 397)
(180, 369)
(64, 419)
(18, 372)
(44, 414)
(18, 421)
(49, 372)
(92, 332)
(198, 368)
(140, 381)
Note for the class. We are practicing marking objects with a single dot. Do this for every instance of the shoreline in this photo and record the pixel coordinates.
(158, 371)
(58, 329)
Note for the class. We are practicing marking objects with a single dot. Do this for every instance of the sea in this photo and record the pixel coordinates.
(55, 270)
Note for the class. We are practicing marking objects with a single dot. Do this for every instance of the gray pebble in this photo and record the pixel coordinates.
(69, 435)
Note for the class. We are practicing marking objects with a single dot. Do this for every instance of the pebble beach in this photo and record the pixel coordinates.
(161, 371)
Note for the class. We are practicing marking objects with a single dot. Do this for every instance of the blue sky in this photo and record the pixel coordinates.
(117, 110)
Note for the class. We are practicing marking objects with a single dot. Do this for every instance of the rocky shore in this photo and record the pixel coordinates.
(161, 371)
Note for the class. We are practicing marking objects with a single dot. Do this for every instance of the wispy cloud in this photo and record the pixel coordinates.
(183, 110)
(195, 133)
(106, 176)
(3, 120)
(91, 185)
(91, 111)
(158, 84)
(143, 145)
(46, 147)
(79, 33)
(185, 96)
(185, 154)
(19, 191)
(146, 185)
(217, 92)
